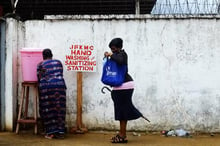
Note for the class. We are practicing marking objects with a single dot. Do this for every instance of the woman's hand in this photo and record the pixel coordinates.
(108, 54)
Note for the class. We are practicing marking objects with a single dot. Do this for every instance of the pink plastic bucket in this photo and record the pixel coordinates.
(29, 60)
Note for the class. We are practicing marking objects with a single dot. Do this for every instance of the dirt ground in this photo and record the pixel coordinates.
(101, 138)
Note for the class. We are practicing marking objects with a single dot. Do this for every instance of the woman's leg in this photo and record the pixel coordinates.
(123, 126)
(121, 137)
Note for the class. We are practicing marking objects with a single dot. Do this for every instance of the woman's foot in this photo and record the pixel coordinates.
(49, 136)
(119, 139)
(54, 136)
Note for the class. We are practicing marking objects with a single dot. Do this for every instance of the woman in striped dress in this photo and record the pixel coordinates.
(52, 95)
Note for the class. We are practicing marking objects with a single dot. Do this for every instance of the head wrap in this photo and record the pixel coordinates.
(117, 42)
(47, 53)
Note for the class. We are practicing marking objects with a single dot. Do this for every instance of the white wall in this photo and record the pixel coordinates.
(174, 62)
(14, 39)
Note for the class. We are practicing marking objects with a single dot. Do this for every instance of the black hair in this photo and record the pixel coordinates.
(47, 53)
(117, 42)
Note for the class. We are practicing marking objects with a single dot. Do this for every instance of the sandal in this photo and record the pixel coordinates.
(119, 139)
(59, 136)
(49, 136)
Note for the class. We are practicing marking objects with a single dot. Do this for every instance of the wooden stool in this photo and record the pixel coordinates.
(25, 96)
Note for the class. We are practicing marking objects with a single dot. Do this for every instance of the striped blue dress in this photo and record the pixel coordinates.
(52, 95)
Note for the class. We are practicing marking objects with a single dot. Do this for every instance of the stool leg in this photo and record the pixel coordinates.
(35, 110)
(26, 102)
(20, 109)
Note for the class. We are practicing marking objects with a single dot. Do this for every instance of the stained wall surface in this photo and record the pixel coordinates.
(174, 63)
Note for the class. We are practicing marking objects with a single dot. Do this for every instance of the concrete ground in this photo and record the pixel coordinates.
(101, 138)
